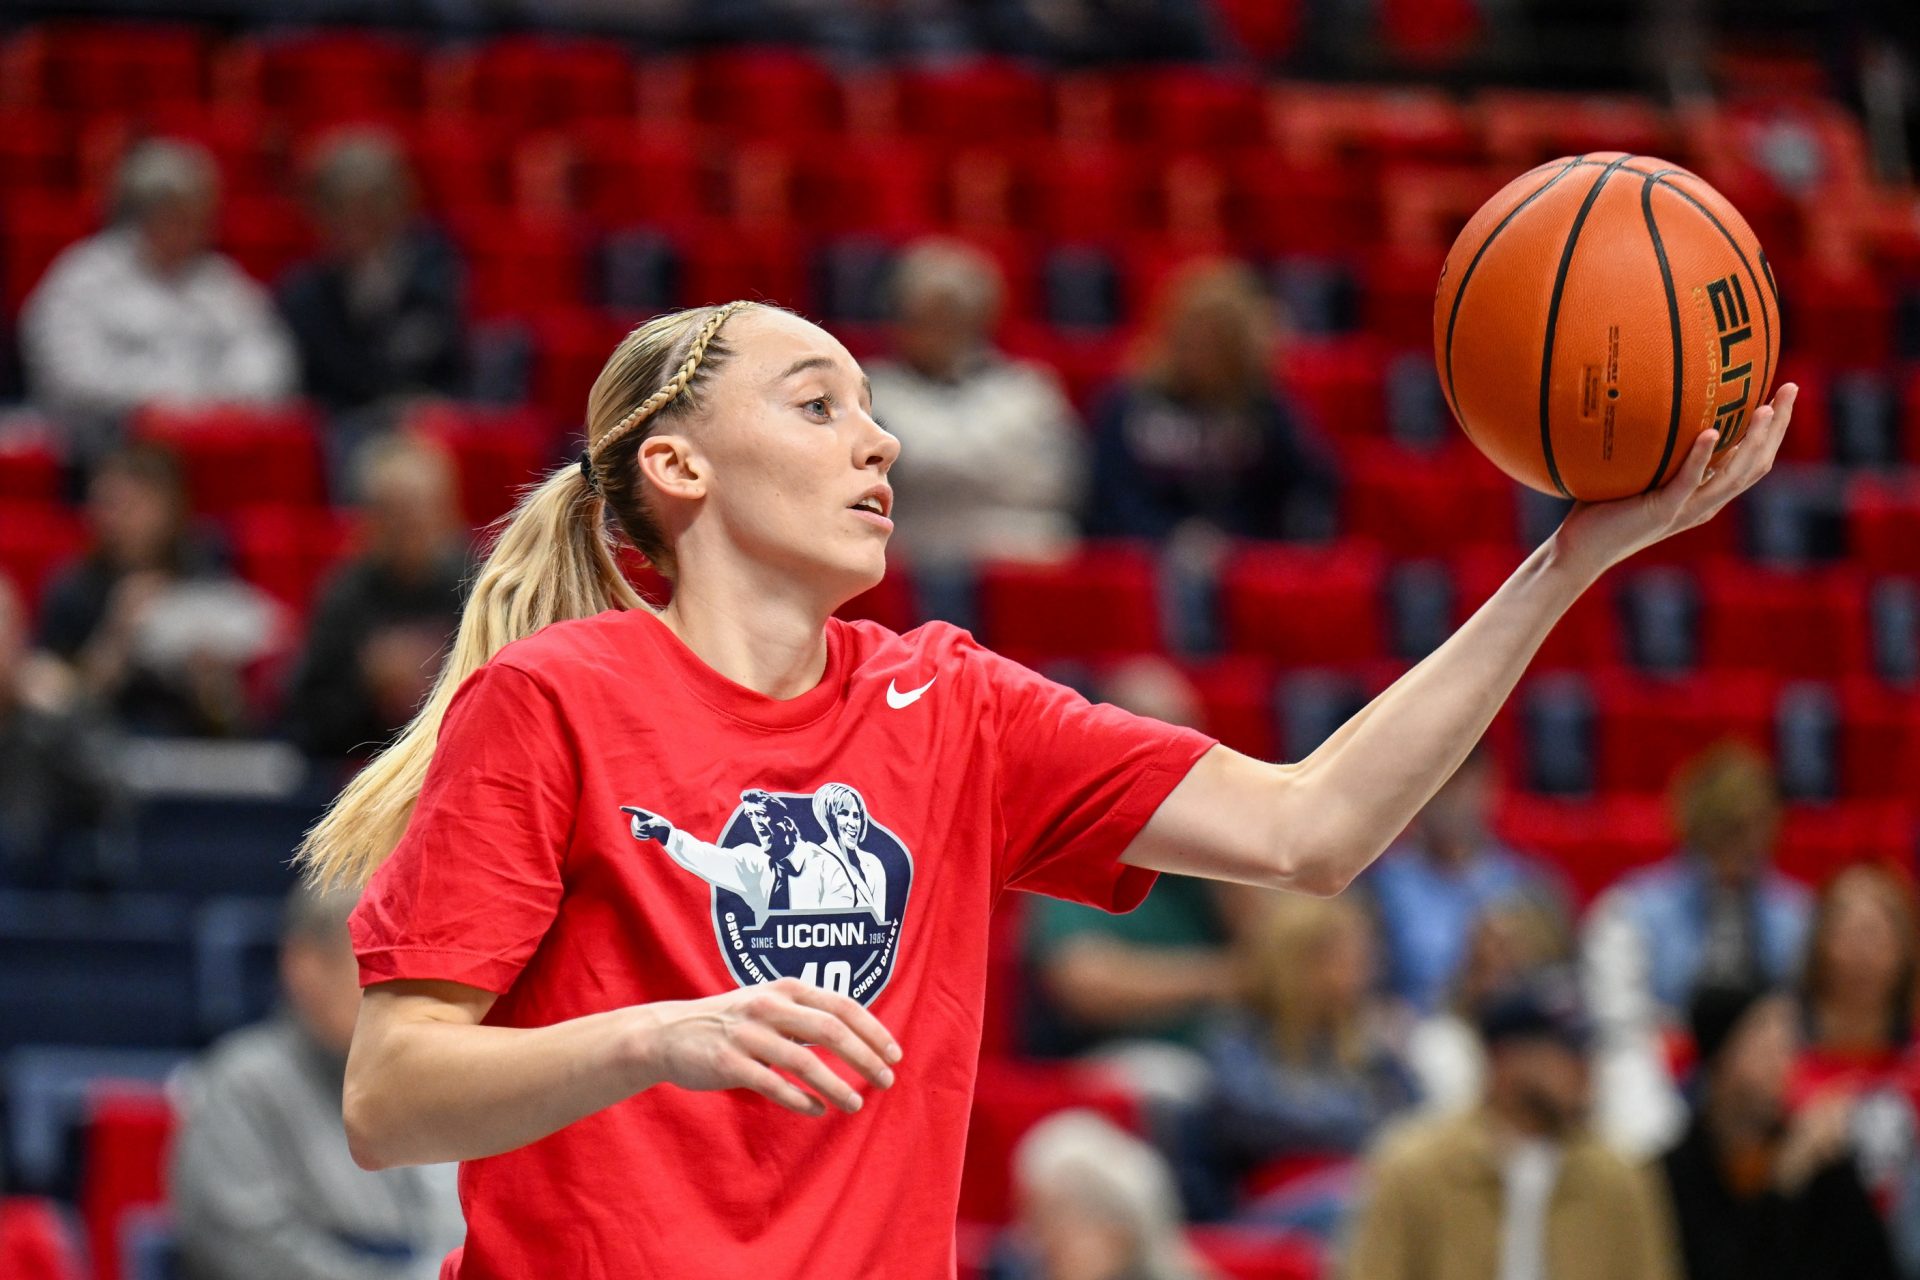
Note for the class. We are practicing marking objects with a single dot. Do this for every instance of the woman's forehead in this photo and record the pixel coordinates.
(776, 341)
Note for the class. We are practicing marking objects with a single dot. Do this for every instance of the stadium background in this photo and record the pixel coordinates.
(592, 175)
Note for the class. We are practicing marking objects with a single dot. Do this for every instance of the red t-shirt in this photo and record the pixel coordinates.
(856, 836)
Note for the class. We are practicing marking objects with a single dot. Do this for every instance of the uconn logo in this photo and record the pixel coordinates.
(805, 885)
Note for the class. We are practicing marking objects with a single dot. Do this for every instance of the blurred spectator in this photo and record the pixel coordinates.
(1313, 1062)
(1096, 1203)
(1761, 1193)
(385, 616)
(1430, 888)
(153, 626)
(58, 793)
(1857, 1011)
(1516, 1188)
(378, 313)
(146, 311)
(261, 1182)
(1199, 442)
(993, 460)
(1510, 942)
(1134, 988)
(1717, 912)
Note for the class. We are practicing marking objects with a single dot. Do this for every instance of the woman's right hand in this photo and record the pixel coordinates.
(737, 1039)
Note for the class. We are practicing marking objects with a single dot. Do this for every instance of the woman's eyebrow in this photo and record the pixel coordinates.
(805, 363)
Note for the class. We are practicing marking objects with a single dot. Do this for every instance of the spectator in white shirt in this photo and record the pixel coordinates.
(992, 457)
(145, 311)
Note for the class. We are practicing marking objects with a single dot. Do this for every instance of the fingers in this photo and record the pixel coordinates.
(771, 1084)
(815, 1027)
(854, 1015)
(774, 1049)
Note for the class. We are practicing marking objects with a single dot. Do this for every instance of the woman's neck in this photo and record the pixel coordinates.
(753, 633)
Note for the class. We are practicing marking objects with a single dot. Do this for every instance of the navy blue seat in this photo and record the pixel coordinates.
(89, 971)
(47, 1087)
(236, 944)
(207, 848)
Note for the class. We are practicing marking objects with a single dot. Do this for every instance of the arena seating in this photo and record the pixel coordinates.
(588, 186)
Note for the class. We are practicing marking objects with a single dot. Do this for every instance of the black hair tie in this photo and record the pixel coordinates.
(587, 472)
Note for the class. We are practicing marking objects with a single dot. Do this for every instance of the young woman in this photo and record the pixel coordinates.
(633, 1070)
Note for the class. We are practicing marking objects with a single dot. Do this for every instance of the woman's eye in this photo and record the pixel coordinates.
(820, 405)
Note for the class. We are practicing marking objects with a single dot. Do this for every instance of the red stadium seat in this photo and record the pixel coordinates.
(314, 77)
(1879, 739)
(1647, 729)
(1593, 842)
(1796, 624)
(1422, 504)
(496, 452)
(1818, 840)
(1883, 523)
(129, 1129)
(570, 347)
(38, 1241)
(1305, 606)
(1300, 209)
(265, 234)
(1524, 129)
(288, 551)
(38, 153)
(462, 167)
(1341, 382)
(759, 92)
(1398, 306)
(1237, 702)
(626, 173)
(1265, 30)
(536, 81)
(1843, 320)
(1009, 1099)
(726, 261)
(1105, 600)
(240, 455)
(885, 185)
(1358, 127)
(520, 265)
(103, 67)
(1429, 32)
(29, 468)
(1088, 193)
(1243, 1253)
(36, 541)
(984, 100)
(34, 228)
(1186, 107)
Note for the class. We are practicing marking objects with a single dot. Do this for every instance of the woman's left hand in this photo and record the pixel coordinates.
(1598, 535)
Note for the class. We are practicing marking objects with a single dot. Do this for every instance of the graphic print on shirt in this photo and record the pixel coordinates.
(805, 885)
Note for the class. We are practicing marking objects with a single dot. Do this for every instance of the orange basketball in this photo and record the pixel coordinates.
(1597, 315)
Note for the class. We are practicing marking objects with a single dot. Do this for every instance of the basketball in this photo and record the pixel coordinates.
(1598, 314)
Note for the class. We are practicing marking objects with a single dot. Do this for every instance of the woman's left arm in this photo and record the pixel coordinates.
(1312, 826)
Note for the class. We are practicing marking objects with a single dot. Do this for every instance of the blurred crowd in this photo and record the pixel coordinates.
(1460, 1068)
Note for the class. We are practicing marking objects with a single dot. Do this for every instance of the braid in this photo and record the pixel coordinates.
(674, 385)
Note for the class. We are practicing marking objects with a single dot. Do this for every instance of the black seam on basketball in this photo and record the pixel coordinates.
(1553, 320)
(1673, 319)
(1461, 292)
(1766, 321)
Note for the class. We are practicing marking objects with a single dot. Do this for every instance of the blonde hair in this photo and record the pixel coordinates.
(1281, 970)
(1726, 787)
(553, 560)
(1222, 287)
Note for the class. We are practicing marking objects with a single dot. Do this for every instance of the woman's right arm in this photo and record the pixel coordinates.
(426, 1083)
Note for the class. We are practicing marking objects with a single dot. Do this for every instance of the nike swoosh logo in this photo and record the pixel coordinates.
(897, 699)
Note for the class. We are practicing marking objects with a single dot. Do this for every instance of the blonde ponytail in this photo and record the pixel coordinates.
(553, 561)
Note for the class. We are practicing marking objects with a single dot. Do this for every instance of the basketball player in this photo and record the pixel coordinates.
(569, 1018)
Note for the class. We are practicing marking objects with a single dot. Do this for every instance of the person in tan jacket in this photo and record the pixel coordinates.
(1516, 1189)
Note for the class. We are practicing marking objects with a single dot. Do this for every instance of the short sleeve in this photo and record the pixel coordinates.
(1076, 781)
(474, 883)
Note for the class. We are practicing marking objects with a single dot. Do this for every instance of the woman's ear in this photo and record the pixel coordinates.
(670, 465)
